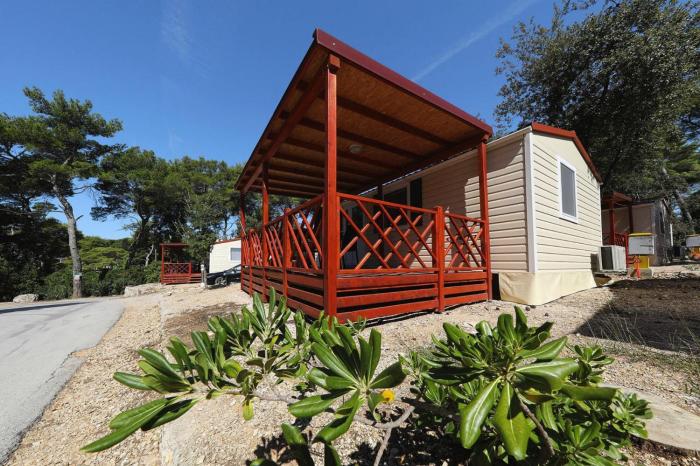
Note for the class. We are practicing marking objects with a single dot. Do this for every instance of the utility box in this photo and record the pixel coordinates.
(641, 244)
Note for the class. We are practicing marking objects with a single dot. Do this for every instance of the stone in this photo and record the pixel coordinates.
(26, 298)
(139, 290)
(671, 425)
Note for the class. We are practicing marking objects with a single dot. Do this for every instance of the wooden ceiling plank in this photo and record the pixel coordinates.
(359, 158)
(379, 117)
(349, 135)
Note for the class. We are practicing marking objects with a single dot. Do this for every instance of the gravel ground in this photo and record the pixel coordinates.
(643, 315)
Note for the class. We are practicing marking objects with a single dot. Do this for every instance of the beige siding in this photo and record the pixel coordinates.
(564, 244)
(220, 256)
(456, 187)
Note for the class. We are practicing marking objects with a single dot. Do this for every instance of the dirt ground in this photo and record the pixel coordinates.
(651, 327)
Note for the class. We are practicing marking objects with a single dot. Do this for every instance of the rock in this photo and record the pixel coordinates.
(139, 290)
(26, 298)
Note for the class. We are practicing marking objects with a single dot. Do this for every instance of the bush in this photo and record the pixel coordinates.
(106, 282)
(57, 285)
(151, 273)
(503, 394)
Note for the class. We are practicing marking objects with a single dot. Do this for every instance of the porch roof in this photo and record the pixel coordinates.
(388, 126)
(617, 199)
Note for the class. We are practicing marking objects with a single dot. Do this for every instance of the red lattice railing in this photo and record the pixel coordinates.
(177, 268)
(383, 235)
(463, 242)
(305, 226)
(273, 238)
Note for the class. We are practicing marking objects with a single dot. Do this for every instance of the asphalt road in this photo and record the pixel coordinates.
(36, 342)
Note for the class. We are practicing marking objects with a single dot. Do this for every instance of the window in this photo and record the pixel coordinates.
(235, 254)
(567, 191)
(397, 197)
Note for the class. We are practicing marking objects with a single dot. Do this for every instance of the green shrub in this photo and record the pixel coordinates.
(504, 394)
(151, 273)
(57, 285)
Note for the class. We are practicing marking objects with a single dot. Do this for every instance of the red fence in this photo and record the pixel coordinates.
(393, 258)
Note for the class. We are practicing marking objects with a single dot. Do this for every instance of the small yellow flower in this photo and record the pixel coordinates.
(387, 395)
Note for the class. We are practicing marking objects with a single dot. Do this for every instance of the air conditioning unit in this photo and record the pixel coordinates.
(612, 259)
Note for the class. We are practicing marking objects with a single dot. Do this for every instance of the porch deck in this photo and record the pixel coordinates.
(392, 258)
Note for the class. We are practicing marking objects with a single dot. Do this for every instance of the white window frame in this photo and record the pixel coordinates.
(562, 214)
(230, 250)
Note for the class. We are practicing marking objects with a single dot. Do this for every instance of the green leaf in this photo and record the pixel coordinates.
(332, 362)
(577, 392)
(247, 408)
(545, 413)
(520, 321)
(505, 328)
(124, 418)
(473, 415)
(545, 352)
(313, 405)
(389, 377)
(169, 413)
(131, 380)
(159, 362)
(511, 424)
(375, 340)
(344, 416)
(548, 376)
(330, 456)
(292, 435)
(298, 444)
(454, 333)
(127, 425)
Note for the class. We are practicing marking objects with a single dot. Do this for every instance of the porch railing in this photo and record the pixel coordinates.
(387, 252)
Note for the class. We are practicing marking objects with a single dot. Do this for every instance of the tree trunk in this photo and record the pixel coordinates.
(685, 212)
(136, 243)
(72, 225)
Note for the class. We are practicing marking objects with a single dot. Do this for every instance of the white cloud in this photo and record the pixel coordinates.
(486, 28)
(174, 31)
(174, 142)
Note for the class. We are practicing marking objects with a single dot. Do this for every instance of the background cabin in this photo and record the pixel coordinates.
(224, 255)
(622, 216)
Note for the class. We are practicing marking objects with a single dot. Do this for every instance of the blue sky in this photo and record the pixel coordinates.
(202, 78)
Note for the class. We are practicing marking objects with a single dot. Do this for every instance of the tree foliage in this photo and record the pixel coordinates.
(625, 77)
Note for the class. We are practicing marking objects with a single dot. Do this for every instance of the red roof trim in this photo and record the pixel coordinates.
(346, 52)
(565, 133)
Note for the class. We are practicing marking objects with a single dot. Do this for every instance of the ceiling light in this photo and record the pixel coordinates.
(355, 148)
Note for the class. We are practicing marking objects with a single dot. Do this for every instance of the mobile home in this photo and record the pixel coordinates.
(224, 255)
(543, 205)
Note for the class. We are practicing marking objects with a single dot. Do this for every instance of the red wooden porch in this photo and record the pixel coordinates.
(345, 125)
(175, 268)
(613, 237)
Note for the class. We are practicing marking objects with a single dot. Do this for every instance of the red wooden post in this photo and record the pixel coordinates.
(331, 224)
(286, 252)
(439, 255)
(611, 220)
(484, 208)
(265, 221)
(162, 263)
(245, 257)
